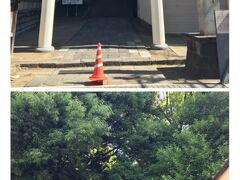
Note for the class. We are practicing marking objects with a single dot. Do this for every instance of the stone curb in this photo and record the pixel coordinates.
(153, 86)
(90, 63)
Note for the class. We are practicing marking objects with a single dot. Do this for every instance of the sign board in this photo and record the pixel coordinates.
(65, 2)
(222, 26)
(77, 1)
(72, 2)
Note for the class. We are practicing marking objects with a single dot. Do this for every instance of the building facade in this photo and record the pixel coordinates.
(180, 16)
(165, 16)
(151, 12)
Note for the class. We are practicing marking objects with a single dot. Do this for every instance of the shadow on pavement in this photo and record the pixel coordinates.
(171, 73)
(141, 77)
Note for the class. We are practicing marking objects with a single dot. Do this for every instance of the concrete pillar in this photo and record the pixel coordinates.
(158, 27)
(46, 26)
(206, 16)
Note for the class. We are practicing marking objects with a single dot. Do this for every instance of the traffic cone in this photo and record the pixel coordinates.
(98, 73)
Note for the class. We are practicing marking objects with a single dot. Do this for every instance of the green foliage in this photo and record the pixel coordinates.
(189, 155)
(128, 136)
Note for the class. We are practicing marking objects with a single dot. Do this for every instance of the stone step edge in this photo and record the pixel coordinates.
(150, 85)
(106, 63)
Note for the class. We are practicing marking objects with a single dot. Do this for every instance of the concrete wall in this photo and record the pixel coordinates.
(180, 15)
(224, 4)
(144, 10)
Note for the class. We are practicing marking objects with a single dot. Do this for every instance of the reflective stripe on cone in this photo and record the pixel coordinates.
(98, 73)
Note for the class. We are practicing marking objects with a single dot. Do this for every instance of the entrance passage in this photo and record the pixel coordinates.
(110, 22)
(113, 8)
(111, 31)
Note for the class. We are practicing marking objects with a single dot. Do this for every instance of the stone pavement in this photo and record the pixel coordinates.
(127, 56)
(122, 40)
(113, 32)
(119, 77)
(86, 57)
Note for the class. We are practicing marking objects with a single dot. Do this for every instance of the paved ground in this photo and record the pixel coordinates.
(120, 77)
(122, 38)
(128, 58)
(113, 32)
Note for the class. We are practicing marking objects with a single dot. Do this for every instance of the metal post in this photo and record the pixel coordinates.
(76, 9)
(14, 13)
(67, 10)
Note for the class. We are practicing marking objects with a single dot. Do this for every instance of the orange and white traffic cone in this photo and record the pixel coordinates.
(98, 73)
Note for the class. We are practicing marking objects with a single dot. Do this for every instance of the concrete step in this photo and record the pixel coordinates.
(107, 62)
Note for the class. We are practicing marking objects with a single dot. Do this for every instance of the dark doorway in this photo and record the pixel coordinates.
(110, 22)
(113, 8)
(99, 8)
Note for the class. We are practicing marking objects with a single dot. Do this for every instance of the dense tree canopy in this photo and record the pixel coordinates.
(125, 136)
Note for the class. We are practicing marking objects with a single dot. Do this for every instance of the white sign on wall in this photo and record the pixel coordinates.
(65, 2)
(73, 2)
(77, 1)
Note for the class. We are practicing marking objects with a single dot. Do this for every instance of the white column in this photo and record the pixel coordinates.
(46, 26)
(158, 27)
